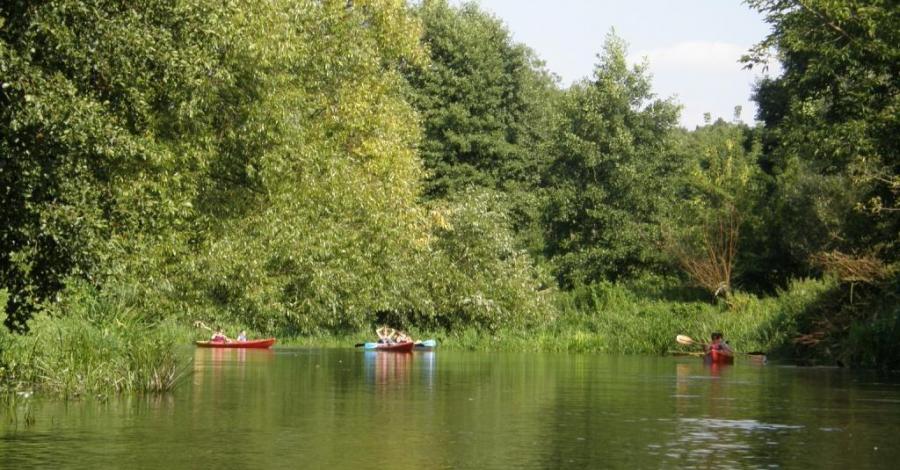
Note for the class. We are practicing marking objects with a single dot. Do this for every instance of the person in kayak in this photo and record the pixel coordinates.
(219, 336)
(386, 335)
(242, 336)
(718, 344)
(402, 337)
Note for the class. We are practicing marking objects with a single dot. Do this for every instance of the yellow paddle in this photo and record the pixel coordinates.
(685, 339)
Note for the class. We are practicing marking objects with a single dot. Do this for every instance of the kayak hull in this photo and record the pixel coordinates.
(718, 357)
(394, 347)
(252, 344)
(427, 345)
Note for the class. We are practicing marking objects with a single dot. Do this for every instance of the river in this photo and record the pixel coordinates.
(349, 409)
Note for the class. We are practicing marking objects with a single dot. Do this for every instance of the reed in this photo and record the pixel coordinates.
(77, 356)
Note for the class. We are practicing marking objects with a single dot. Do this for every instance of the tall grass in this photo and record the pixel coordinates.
(97, 348)
(620, 319)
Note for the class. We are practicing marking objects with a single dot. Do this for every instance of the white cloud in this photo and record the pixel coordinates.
(704, 77)
(705, 55)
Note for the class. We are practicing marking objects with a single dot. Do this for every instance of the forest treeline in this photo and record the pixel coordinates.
(316, 167)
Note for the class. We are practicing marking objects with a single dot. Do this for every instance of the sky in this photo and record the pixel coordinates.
(692, 46)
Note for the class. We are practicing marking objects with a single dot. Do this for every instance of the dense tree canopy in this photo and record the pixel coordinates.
(483, 100)
(613, 158)
(253, 159)
(833, 122)
(486, 105)
(717, 226)
(832, 136)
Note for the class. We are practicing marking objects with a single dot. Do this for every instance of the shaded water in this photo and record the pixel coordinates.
(302, 408)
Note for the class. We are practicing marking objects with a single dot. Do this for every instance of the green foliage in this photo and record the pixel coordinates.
(832, 123)
(643, 318)
(831, 139)
(637, 324)
(717, 224)
(325, 231)
(486, 105)
(99, 347)
(610, 177)
(855, 325)
(483, 100)
(252, 163)
(105, 113)
(481, 277)
(262, 164)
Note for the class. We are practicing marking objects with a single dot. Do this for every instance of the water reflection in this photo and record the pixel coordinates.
(205, 358)
(426, 359)
(218, 369)
(390, 370)
(707, 390)
(344, 408)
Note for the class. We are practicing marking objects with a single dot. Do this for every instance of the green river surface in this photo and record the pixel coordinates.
(349, 409)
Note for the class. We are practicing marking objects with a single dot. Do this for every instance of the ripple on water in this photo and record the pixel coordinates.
(742, 424)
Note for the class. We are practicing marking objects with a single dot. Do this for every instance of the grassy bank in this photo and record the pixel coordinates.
(617, 319)
(97, 349)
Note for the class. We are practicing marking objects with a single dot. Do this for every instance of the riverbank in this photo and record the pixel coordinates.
(98, 350)
(101, 350)
(614, 319)
(811, 322)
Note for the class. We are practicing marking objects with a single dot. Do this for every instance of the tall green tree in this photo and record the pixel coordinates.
(485, 103)
(613, 158)
(105, 112)
(832, 135)
(832, 123)
(483, 100)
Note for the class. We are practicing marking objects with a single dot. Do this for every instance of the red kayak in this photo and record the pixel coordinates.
(250, 344)
(718, 357)
(395, 347)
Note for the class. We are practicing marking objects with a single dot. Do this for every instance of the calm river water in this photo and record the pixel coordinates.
(349, 409)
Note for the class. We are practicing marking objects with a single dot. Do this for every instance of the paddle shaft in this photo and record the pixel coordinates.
(684, 339)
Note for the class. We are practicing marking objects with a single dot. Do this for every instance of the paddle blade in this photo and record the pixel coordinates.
(682, 339)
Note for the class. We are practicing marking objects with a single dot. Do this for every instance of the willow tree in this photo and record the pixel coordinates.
(717, 218)
(328, 225)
